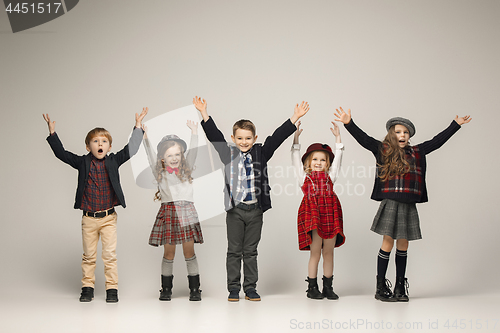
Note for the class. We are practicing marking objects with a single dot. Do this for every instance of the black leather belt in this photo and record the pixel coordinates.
(99, 214)
(247, 207)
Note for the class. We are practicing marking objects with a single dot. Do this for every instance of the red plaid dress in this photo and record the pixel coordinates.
(320, 209)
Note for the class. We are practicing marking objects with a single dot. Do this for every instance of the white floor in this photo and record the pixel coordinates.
(25, 311)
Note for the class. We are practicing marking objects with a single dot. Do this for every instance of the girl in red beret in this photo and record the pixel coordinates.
(319, 220)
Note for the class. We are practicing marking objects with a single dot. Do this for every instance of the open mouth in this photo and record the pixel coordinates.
(100, 151)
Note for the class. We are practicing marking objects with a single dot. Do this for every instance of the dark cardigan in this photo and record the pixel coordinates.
(424, 148)
(261, 153)
(82, 164)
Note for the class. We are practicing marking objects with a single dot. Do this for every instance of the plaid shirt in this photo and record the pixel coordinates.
(244, 191)
(410, 182)
(98, 194)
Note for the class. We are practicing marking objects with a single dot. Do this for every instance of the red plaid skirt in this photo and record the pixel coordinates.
(320, 209)
(176, 223)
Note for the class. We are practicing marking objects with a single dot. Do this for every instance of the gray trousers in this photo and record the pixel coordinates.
(243, 235)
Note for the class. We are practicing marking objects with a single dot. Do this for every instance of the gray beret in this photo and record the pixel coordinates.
(401, 121)
(172, 137)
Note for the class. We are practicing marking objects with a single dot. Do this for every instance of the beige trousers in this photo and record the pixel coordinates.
(92, 229)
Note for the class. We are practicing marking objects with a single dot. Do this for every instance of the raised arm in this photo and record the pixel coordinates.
(339, 151)
(363, 139)
(193, 144)
(150, 152)
(201, 105)
(296, 162)
(440, 139)
(50, 124)
(299, 111)
(135, 139)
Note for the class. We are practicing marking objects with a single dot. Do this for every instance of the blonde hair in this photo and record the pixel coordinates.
(394, 162)
(307, 162)
(184, 171)
(98, 131)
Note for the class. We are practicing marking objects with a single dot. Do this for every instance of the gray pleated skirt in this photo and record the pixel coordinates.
(398, 220)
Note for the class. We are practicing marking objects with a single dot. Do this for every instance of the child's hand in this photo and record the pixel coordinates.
(201, 105)
(297, 134)
(342, 116)
(336, 131)
(193, 126)
(462, 120)
(140, 117)
(51, 124)
(300, 111)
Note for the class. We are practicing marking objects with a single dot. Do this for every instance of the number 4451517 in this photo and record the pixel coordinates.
(23, 8)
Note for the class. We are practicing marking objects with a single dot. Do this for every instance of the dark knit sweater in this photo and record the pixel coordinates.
(380, 191)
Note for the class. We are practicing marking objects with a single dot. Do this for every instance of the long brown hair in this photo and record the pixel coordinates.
(307, 162)
(184, 171)
(394, 162)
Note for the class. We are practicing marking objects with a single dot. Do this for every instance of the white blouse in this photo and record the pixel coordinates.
(171, 187)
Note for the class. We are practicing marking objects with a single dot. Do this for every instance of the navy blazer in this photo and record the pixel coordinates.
(261, 153)
(112, 163)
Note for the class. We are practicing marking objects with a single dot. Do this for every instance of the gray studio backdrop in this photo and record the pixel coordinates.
(105, 60)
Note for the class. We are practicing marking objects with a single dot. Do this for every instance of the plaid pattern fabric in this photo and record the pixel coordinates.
(410, 182)
(98, 194)
(176, 223)
(320, 209)
(398, 220)
(245, 184)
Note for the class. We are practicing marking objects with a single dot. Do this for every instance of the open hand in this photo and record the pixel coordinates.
(335, 130)
(342, 116)
(462, 120)
(200, 104)
(193, 126)
(140, 117)
(51, 124)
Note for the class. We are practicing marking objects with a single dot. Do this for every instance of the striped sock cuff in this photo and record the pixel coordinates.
(401, 253)
(383, 255)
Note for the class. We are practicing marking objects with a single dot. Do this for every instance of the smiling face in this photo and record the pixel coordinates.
(402, 135)
(319, 161)
(244, 139)
(173, 156)
(99, 146)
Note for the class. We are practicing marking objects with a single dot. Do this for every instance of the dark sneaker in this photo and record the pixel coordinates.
(112, 296)
(234, 295)
(87, 294)
(251, 295)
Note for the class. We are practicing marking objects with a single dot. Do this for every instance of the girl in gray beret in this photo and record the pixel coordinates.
(399, 185)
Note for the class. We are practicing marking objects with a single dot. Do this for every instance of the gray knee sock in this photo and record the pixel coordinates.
(192, 266)
(167, 267)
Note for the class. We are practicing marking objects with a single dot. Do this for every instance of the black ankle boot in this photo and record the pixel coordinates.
(166, 288)
(194, 287)
(328, 288)
(384, 292)
(401, 289)
(313, 290)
